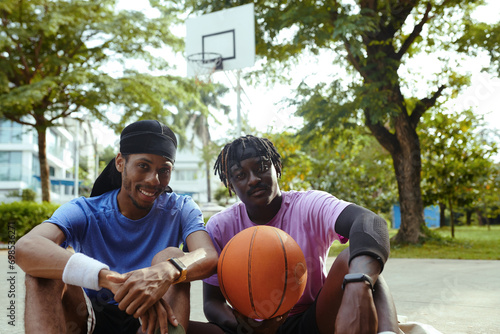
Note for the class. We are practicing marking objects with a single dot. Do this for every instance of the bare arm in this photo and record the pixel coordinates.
(38, 253)
(369, 250)
(201, 260)
(216, 309)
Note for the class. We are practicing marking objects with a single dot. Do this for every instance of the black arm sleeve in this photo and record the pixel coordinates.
(367, 233)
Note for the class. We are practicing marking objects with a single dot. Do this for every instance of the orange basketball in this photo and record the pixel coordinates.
(262, 272)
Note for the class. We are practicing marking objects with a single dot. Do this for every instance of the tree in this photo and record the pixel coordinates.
(457, 160)
(58, 58)
(374, 40)
(488, 203)
(351, 167)
(192, 116)
(107, 154)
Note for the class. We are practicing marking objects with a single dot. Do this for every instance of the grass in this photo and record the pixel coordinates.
(470, 242)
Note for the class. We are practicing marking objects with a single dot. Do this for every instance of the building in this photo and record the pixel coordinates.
(20, 169)
(19, 163)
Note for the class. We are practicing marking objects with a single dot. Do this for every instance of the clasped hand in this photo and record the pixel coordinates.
(140, 292)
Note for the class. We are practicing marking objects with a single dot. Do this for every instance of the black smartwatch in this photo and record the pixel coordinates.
(181, 267)
(349, 278)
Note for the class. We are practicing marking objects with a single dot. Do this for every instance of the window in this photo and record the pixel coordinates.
(185, 175)
(35, 165)
(10, 132)
(54, 144)
(10, 166)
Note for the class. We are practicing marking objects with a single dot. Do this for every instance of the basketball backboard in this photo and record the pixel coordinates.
(229, 33)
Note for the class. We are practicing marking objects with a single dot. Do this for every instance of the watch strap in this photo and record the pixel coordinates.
(350, 278)
(181, 267)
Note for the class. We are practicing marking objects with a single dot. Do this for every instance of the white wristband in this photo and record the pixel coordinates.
(83, 271)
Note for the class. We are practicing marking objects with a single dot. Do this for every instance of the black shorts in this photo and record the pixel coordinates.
(302, 323)
(110, 319)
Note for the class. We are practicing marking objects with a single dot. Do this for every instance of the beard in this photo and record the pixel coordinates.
(127, 185)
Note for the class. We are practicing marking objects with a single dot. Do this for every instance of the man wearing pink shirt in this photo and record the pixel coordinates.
(349, 297)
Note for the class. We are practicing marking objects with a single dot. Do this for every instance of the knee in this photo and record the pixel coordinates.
(344, 256)
(380, 284)
(340, 266)
(43, 285)
(166, 254)
(343, 259)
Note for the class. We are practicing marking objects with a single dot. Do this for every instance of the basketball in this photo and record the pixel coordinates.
(262, 272)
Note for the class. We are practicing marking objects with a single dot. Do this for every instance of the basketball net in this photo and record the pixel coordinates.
(204, 64)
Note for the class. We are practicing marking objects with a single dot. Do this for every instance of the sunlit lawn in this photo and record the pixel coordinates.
(470, 242)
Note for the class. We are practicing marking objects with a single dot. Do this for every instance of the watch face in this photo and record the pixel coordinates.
(181, 267)
(355, 277)
(178, 264)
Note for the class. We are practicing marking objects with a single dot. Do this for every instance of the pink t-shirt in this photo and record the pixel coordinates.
(307, 216)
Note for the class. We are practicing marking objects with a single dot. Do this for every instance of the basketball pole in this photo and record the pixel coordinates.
(238, 103)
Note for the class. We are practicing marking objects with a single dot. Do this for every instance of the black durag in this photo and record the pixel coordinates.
(147, 136)
(242, 152)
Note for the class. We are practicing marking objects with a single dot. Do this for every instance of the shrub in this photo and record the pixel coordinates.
(28, 195)
(21, 217)
(25, 195)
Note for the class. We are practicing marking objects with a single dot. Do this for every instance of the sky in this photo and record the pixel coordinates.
(263, 107)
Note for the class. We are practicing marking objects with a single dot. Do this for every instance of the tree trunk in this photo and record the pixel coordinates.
(44, 166)
(452, 218)
(404, 147)
(480, 218)
(206, 141)
(468, 217)
(209, 188)
(442, 216)
(410, 200)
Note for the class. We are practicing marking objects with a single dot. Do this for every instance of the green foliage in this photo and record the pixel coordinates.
(458, 166)
(195, 115)
(62, 57)
(479, 37)
(352, 167)
(376, 41)
(296, 162)
(106, 156)
(471, 242)
(221, 196)
(474, 242)
(21, 217)
(28, 195)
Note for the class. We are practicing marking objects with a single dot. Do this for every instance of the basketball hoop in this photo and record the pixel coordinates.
(204, 64)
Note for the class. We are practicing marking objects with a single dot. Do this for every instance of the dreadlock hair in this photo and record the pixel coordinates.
(263, 146)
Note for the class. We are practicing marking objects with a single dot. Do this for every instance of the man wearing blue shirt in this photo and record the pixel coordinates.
(126, 240)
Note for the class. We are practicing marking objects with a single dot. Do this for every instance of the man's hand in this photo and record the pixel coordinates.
(104, 281)
(159, 315)
(357, 313)
(156, 316)
(140, 289)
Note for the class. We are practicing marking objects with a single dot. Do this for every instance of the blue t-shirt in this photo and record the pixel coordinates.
(95, 227)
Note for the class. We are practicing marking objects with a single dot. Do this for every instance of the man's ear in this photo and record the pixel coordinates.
(119, 162)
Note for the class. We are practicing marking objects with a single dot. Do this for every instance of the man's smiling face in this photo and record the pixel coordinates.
(144, 178)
